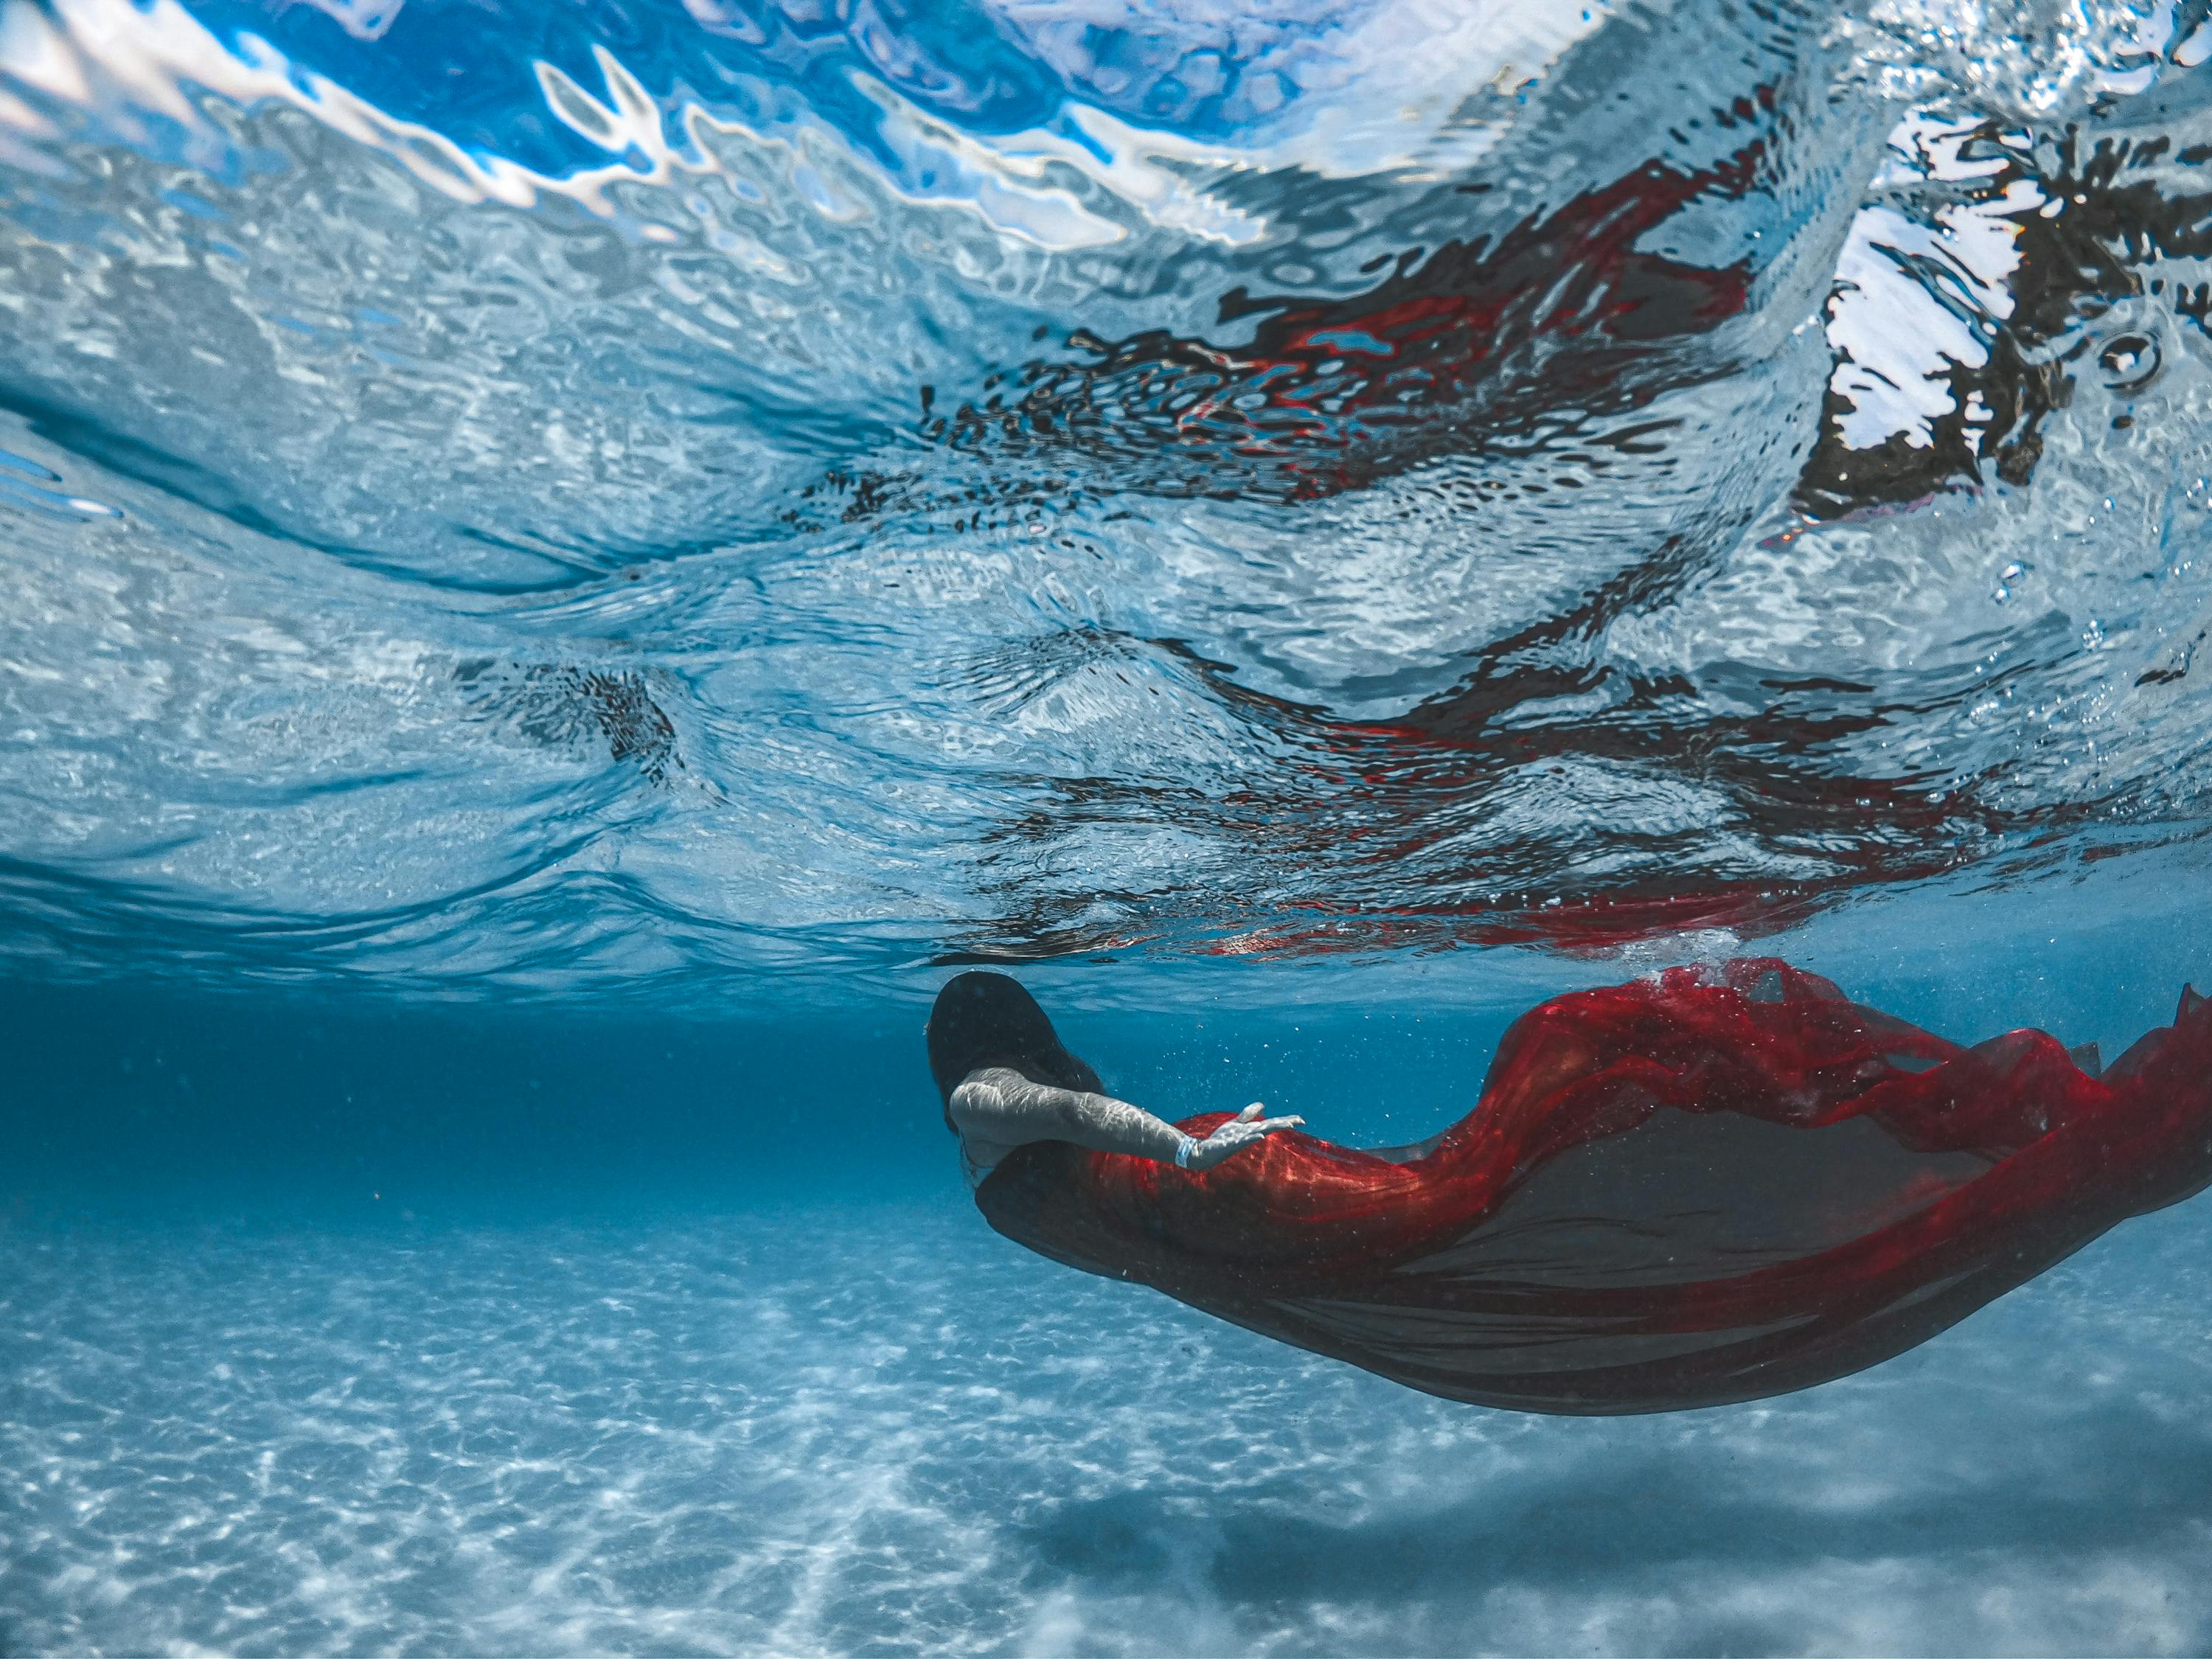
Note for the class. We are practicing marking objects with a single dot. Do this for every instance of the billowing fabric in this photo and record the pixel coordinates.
(1711, 1186)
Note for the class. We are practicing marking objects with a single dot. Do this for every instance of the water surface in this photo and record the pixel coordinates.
(564, 565)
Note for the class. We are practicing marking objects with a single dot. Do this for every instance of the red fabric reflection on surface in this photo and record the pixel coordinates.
(1711, 1186)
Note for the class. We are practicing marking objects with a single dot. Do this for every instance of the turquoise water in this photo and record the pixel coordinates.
(336, 1327)
(566, 566)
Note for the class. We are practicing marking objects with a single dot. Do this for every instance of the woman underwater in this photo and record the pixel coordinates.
(1709, 1186)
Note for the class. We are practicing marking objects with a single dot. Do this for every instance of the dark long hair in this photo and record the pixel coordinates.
(986, 1020)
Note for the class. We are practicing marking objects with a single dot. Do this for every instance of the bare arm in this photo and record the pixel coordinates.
(996, 1110)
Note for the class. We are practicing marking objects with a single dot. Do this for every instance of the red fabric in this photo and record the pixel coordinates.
(1710, 1186)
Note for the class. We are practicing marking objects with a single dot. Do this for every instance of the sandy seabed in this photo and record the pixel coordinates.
(852, 1430)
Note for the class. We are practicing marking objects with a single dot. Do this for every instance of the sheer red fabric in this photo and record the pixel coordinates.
(1711, 1186)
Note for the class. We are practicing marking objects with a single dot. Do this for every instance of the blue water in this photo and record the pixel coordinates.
(563, 566)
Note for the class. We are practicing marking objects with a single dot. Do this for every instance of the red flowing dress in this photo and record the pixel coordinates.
(1711, 1186)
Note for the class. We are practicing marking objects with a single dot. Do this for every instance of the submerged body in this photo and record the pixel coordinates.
(1704, 1188)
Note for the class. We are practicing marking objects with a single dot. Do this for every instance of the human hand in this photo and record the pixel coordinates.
(1247, 1128)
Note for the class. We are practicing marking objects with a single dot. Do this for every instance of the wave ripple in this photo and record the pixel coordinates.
(567, 498)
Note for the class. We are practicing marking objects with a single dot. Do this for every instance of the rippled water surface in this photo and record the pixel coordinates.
(561, 563)
(563, 497)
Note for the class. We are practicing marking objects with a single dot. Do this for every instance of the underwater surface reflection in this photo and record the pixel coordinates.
(562, 500)
(566, 566)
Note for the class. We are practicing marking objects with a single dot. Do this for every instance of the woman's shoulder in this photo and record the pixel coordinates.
(981, 1090)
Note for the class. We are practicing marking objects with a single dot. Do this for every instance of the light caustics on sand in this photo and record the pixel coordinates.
(563, 497)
